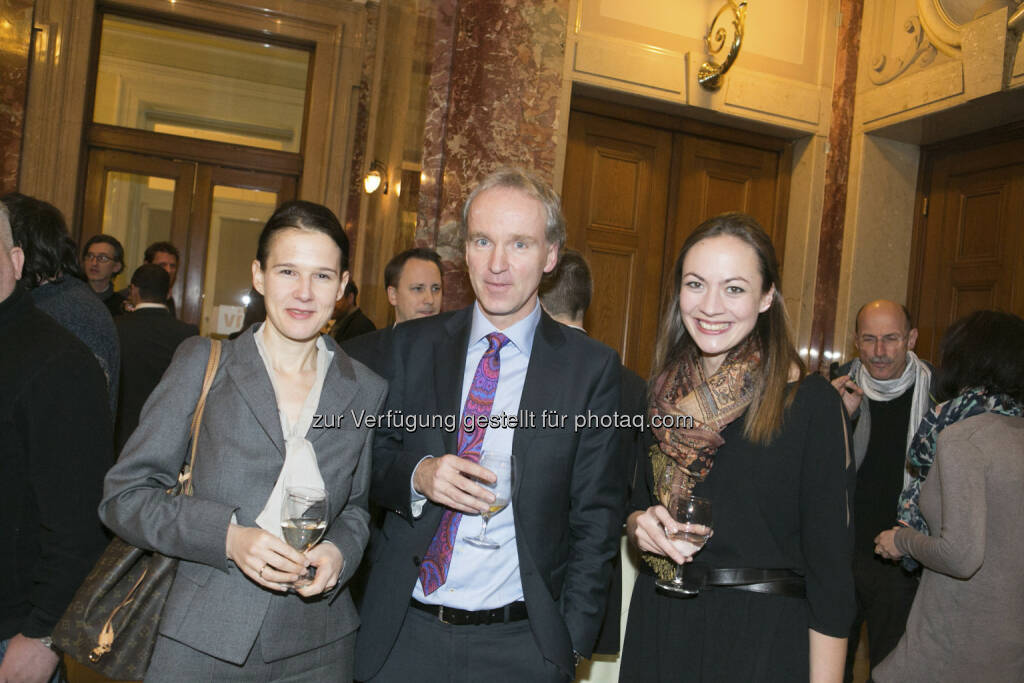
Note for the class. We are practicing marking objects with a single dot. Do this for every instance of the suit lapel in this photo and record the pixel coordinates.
(544, 375)
(339, 389)
(449, 370)
(250, 375)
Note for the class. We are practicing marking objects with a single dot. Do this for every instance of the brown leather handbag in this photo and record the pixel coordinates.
(111, 623)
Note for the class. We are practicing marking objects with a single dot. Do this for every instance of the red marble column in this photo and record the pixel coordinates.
(837, 171)
(15, 40)
(495, 81)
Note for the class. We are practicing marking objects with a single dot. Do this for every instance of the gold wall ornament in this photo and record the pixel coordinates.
(711, 73)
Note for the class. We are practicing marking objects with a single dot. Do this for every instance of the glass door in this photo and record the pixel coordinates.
(213, 215)
(138, 199)
(230, 209)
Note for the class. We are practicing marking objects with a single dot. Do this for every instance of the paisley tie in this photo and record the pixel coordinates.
(434, 568)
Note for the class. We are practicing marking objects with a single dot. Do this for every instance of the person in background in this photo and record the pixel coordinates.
(565, 295)
(103, 258)
(255, 312)
(57, 444)
(767, 447)
(165, 255)
(962, 514)
(149, 336)
(413, 281)
(886, 392)
(349, 320)
(54, 278)
(228, 615)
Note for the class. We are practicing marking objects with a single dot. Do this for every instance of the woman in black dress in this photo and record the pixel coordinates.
(768, 448)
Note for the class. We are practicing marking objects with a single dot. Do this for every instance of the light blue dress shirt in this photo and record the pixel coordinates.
(477, 578)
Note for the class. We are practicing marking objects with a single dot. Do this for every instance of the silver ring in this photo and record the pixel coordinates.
(262, 568)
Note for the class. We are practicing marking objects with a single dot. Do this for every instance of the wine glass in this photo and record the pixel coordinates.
(503, 466)
(303, 521)
(693, 515)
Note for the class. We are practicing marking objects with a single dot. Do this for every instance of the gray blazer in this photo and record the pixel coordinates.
(212, 606)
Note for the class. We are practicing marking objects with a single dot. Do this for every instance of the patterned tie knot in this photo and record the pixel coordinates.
(496, 340)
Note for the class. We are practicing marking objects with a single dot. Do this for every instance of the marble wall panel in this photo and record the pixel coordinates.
(496, 106)
(15, 40)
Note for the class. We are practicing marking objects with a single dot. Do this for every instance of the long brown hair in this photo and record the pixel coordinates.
(778, 354)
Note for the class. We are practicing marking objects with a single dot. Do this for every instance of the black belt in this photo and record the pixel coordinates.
(772, 581)
(515, 611)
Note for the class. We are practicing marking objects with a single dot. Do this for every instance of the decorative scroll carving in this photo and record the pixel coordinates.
(711, 73)
(919, 48)
(943, 20)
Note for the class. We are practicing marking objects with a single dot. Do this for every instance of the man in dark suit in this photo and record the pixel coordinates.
(413, 282)
(349, 320)
(149, 336)
(55, 431)
(437, 608)
(565, 295)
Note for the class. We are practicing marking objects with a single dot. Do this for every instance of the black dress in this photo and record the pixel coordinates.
(786, 505)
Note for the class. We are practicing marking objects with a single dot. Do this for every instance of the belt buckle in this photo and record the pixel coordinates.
(440, 615)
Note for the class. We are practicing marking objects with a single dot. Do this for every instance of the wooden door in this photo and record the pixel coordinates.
(615, 193)
(718, 176)
(635, 189)
(968, 251)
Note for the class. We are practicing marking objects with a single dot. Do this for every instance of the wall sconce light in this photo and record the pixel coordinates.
(375, 177)
(710, 74)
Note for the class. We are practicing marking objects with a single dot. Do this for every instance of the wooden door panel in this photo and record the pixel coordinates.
(716, 177)
(623, 170)
(616, 188)
(616, 264)
(969, 247)
(723, 191)
(967, 297)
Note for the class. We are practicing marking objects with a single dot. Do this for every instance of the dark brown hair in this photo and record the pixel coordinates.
(393, 271)
(778, 354)
(983, 349)
(568, 289)
(305, 216)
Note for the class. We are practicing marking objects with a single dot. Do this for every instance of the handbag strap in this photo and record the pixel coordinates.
(185, 480)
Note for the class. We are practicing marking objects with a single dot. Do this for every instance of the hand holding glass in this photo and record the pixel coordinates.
(303, 521)
(693, 515)
(503, 467)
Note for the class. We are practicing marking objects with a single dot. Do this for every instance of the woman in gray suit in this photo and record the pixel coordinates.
(229, 615)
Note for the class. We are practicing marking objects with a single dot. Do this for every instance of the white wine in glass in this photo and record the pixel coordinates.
(694, 517)
(303, 521)
(503, 466)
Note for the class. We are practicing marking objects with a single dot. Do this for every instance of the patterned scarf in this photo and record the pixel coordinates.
(921, 453)
(684, 456)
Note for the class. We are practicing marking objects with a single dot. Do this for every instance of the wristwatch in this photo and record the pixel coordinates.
(47, 641)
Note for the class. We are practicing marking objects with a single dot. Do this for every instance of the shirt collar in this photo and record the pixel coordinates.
(148, 304)
(520, 334)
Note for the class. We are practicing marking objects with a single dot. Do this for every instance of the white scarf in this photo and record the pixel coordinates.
(917, 375)
(300, 466)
